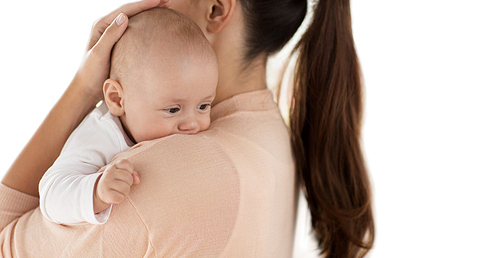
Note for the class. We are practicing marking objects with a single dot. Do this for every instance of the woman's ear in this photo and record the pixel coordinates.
(113, 95)
(220, 13)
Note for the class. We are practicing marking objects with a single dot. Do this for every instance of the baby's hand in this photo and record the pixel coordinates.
(114, 184)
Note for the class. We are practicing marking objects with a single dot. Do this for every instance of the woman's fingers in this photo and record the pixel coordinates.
(167, 3)
(110, 36)
(105, 33)
(129, 9)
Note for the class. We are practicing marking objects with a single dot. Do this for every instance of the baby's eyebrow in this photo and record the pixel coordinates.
(178, 99)
(171, 101)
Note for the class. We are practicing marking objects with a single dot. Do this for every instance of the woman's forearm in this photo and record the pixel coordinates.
(77, 101)
(46, 144)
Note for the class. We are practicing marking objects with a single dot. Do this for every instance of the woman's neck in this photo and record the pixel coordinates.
(236, 76)
(238, 79)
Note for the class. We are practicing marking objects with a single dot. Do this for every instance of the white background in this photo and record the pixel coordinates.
(431, 131)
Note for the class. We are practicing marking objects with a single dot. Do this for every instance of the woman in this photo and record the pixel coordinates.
(231, 191)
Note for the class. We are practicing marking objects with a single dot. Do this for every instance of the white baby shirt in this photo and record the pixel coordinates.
(67, 188)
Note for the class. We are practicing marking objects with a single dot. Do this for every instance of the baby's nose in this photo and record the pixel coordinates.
(190, 126)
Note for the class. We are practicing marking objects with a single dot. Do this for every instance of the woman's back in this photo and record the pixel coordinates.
(228, 192)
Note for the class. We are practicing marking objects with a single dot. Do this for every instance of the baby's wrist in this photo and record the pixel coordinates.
(99, 205)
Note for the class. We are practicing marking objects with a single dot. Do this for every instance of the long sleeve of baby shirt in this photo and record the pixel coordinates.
(67, 188)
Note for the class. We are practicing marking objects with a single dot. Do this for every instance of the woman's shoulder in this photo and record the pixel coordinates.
(188, 196)
(198, 191)
(251, 119)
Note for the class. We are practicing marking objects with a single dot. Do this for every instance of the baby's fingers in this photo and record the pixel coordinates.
(126, 172)
(124, 164)
(115, 192)
(111, 196)
(120, 187)
(120, 175)
(135, 176)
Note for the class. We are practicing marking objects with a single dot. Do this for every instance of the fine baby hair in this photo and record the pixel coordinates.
(176, 32)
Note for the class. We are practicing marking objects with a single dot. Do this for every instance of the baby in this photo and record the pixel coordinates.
(162, 81)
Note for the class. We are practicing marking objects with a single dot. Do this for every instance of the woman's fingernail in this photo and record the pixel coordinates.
(120, 19)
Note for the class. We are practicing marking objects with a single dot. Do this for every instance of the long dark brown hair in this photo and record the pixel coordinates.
(325, 116)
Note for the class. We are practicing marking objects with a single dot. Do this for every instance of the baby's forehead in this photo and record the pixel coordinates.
(163, 59)
(164, 26)
(158, 34)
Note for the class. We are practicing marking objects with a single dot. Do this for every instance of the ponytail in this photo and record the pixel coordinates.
(325, 116)
(325, 121)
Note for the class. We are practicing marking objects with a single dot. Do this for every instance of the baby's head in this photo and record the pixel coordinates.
(163, 76)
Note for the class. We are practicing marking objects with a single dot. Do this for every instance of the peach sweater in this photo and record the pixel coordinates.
(227, 192)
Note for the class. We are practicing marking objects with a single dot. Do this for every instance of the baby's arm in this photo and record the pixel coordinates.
(67, 189)
(66, 192)
(114, 184)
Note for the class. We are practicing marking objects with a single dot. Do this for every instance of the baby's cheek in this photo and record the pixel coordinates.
(205, 124)
(165, 131)
(155, 132)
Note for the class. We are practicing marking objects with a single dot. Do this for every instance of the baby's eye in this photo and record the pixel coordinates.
(172, 110)
(203, 106)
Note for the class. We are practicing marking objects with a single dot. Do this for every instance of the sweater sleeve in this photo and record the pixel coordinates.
(13, 204)
(67, 188)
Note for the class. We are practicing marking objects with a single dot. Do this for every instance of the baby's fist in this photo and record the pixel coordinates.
(114, 184)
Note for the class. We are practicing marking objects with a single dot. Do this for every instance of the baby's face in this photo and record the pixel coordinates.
(171, 96)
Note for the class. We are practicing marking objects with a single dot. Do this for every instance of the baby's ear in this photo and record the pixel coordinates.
(113, 95)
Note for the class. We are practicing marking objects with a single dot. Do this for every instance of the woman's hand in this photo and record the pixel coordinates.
(78, 100)
(94, 69)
